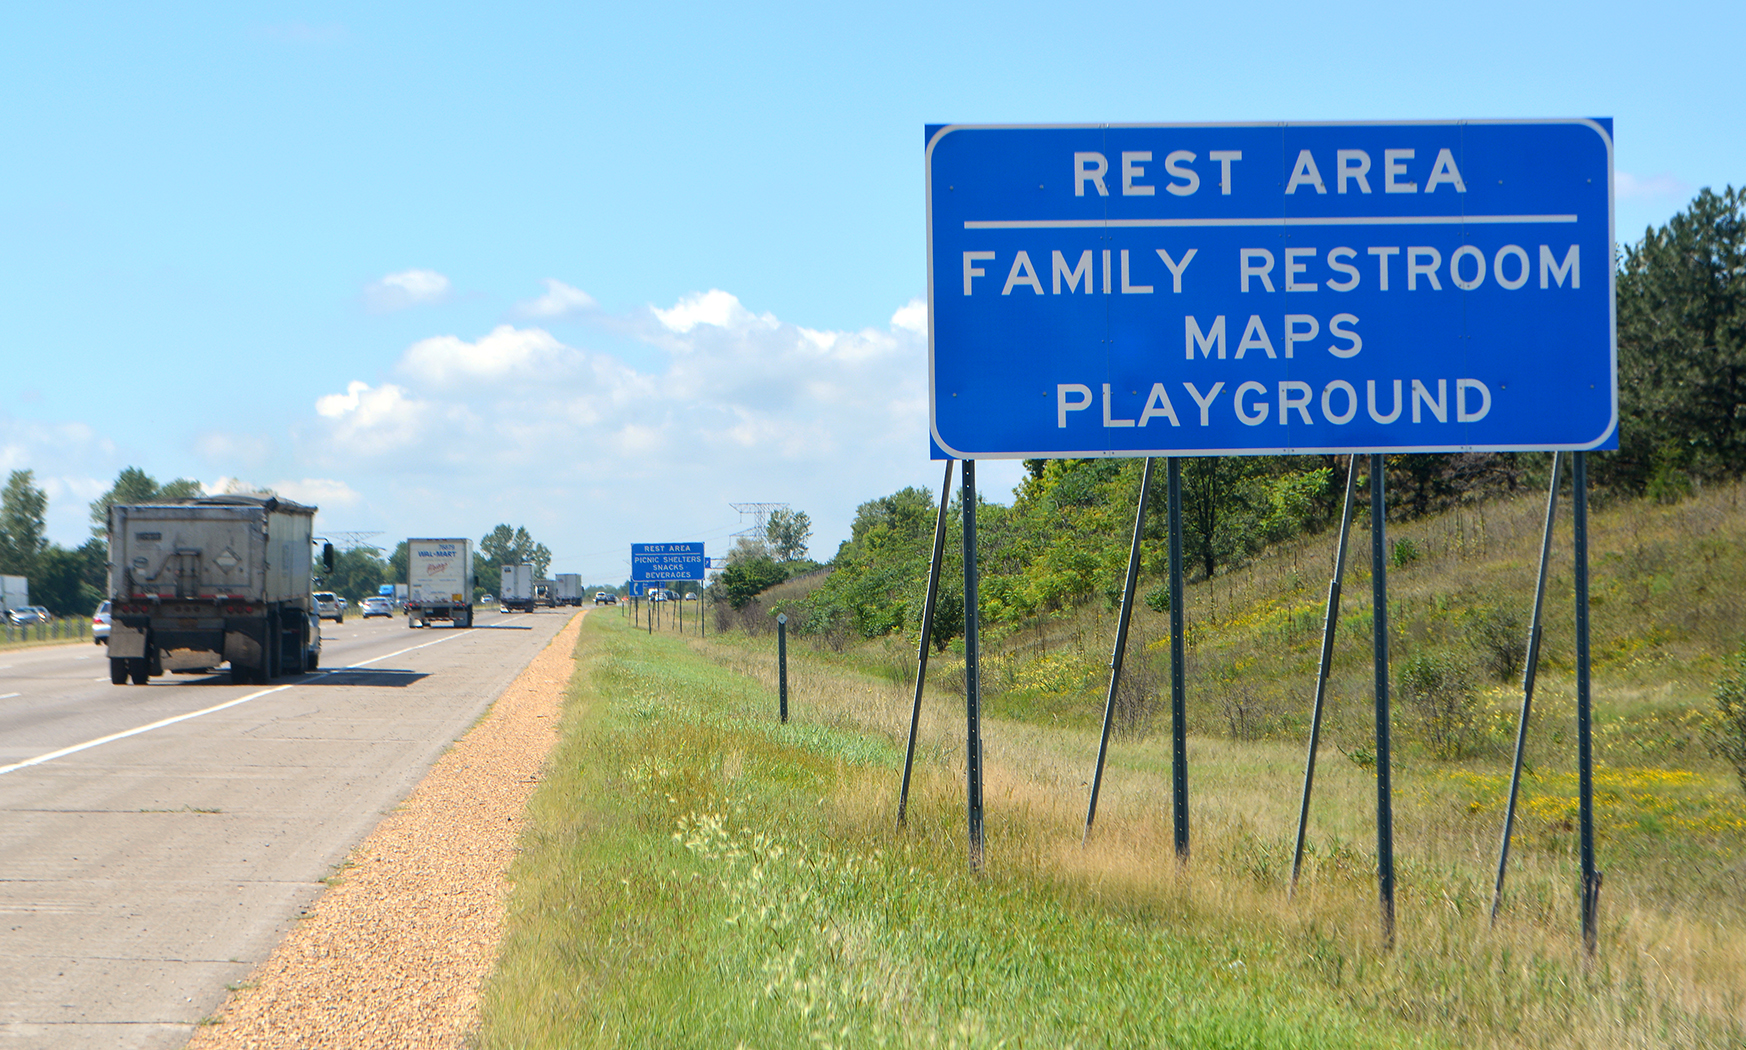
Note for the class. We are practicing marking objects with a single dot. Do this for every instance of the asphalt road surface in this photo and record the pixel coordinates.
(156, 841)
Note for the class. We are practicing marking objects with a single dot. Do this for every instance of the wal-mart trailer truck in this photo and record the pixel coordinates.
(439, 582)
(200, 582)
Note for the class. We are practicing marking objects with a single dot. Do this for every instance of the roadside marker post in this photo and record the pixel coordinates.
(782, 664)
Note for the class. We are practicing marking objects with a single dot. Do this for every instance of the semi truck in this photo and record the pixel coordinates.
(197, 583)
(543, 590)
(517, 592)
(439, 582)
(567, 588)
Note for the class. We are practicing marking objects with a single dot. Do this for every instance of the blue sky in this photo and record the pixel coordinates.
(603, 269)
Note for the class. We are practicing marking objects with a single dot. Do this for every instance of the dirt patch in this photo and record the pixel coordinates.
(392, 955)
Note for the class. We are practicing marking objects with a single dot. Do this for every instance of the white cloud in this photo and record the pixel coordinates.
(503, 353)
(1664, 186)
(397, 291)
(714, 307)
(726, 404)
(560, 300)
(319, 492)
(912, 317)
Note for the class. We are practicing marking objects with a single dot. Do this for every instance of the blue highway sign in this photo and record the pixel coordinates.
(653, 562)
(1130, 290)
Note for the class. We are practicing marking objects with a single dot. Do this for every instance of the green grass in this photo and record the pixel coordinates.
(698, 875)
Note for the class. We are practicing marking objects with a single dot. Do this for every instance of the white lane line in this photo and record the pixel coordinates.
(161, 723)
(8, 696)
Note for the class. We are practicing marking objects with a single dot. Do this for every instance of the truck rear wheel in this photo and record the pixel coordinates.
(139, 670)
(118, 671)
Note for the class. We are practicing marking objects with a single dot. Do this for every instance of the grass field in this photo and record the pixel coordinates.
(698, 875)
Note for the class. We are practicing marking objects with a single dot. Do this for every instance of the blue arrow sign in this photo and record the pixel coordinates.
(1104, 290)
(653, 562)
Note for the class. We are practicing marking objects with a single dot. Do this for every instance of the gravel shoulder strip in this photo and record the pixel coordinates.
(392, 955)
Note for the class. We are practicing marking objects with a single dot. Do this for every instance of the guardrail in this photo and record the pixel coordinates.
(64, 629)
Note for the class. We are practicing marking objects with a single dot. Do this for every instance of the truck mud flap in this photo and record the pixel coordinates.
(126, 642)
(241, 650)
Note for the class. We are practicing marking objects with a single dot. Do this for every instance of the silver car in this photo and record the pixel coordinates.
(328, 607)
(100, 625)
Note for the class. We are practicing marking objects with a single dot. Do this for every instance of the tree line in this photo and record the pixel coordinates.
(74, 581)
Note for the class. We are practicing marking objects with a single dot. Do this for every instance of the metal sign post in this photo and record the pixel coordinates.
(1121, 645)
(1379, 620)
(1591, 878)
(1329, 620)
(972, 672)
(1530, 670)
(1178, 669)
(927, 633)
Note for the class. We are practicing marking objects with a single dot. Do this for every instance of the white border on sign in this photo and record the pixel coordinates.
(1612, 282)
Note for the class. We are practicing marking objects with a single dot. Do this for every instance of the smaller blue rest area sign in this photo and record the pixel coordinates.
(1133, 290)
(654, 562)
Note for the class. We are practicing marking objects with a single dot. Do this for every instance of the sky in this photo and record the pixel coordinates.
(604, 270)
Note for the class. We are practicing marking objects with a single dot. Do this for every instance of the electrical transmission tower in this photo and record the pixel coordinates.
(346, 541)
(760, 513)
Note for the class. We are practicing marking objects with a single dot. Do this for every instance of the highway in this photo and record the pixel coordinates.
(156, 841)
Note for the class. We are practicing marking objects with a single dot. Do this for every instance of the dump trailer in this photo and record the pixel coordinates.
(440, 582)
(196, 583)
(543, 590)
(517, 592)
(567, 588)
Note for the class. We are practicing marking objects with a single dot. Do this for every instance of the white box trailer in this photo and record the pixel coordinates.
(517, 592)
(439, 583)
(14, 593)
(201, 582)
(567, 588)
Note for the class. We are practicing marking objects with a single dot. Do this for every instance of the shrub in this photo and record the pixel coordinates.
(1725, 729)
(1438, 694)
(1501, 639)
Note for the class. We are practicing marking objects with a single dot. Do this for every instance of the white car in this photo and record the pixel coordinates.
(378, 606)
(328, 607)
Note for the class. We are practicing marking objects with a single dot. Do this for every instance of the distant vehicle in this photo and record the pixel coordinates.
(567, 588)
(517, 592)
(14, 593)
(605, 598)
(198, 583)
(26, 615)
(328, 607)
(377, 605)
(663, 595)
(100, 625)
(693, 596)
(343, 603)
(487, 600)
(441, 575)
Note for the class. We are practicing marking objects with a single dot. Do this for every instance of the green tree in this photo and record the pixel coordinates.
(132, 486)
(787, 531)
(744, 580)
(402, 554)
(1682, 350)
(61, 581)
(504, 545)
(22, 506)
(357, 573)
